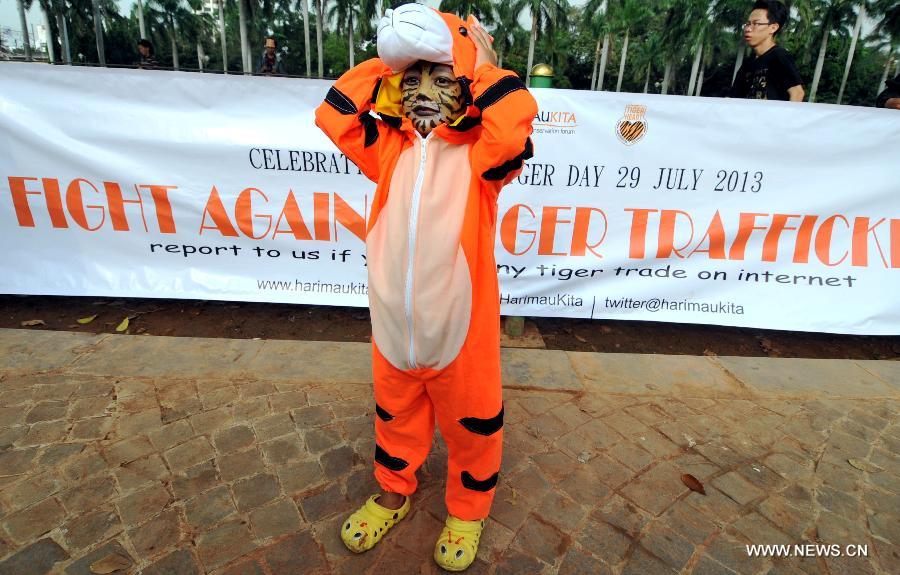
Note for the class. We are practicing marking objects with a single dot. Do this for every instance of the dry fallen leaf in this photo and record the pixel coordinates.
(33, 322)
(693, 483)
(864, 466)
(85, 320)
(123, 326)
(110, 564)
(579, 338)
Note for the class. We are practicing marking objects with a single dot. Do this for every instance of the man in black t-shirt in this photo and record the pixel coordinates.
(771, 74)
(890, 97)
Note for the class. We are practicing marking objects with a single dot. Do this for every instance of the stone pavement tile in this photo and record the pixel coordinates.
(42, 351)
(285, 401)
(130, 424)
(339, 461)
(560, 511)
(322, 438)
(127, 450)
(93, 407)
(511, 508)
(715, 505)
(224, 543)
(577, 562)
(656, 489)
(44, 433)
(94, 428)
(887, 555)
(631, 455)
(189, 454)
(36, 559)
(756, 529)
(839, 502)
(679, 375)
(609, 471)
(693, 526)
(832, 528)
(283, 449)
(209, 508)
(218, 398)
(47, 411)
(275, 519)
(878, 499)
(139, 506)
(841, 477)
(789, 467)
(17, 461)
(517, 562)
(604, 541)
(157, 535)
(696, 465)
(762, 477)
(555, 466)
(885, 524)
(255, 491)
(179, 562)
(621, 513)
(417, 534)
(585, 487)
(312, 362)
(83, 565)
(30, 491)
(805, 377)
(792, 520)
(709, 566)
(642, 562)
(271, 426)
(886, 371)
(233, 439)
(313, 416)
(195, 480)
(860, 565)
(89, 494)
(732, 553)
(737, 488)
(83, 465)
(300, 476)
(240, 464)
(550, 370)
(297, 555)
(245, 410)
(647, 413)
(10, 435)
(86, 530)
(667, 545)
(140, 472)
(250, 567)
(495, 540)
(322, 503)
(29, 524)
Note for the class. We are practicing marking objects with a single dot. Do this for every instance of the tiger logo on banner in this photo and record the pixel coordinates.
(632, 127)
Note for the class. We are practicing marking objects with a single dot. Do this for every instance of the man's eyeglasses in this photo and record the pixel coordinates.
(751, 25)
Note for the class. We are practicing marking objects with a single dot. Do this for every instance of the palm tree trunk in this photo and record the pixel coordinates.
(887, 70)
(304, 10)
(98, 33)
(859, 19)
(531, 41)
(245, 45)
(199, 55)
(350, 35)
(24, 23)
(51, 57)
(738, 60)
(320, 23)
(604, 56)
(817, 75)
(500, 59)
(700, 80)
(64, 32)
(140, 7)
(222, 36)
(666, 77)
(596, 64)
(695, 68)
(647, 78)
(174, 42)
(622, 62)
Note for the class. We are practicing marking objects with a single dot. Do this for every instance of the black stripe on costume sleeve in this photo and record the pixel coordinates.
(371, 129)
(498, 91)
(340, 102)
(504, 169)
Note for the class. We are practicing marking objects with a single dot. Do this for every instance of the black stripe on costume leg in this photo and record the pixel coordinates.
(488, 426)
(340, 102)
(470, 482)
(382, 413)
(506, 168)
(392, 463)
(500, 89)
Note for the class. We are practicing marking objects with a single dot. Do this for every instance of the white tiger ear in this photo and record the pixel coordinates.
(413, 32)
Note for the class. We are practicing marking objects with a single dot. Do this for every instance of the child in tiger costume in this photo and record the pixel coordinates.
(441, 129)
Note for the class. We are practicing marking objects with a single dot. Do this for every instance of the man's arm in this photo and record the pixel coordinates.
(796, 93)
(890, 97)
(344, 115)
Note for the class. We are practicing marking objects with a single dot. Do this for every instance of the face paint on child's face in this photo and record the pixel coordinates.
(431, 96)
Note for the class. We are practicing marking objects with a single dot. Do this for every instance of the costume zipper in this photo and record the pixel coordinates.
(412, 232)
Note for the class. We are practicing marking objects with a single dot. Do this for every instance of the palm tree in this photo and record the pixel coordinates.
(596, 12)
(221, 4)
(24, 23)
(861, 14)
(343, 13)
(506, 16)
(246, 64)
(480, 8)
(731, 14)
(628, 14)
(320, 24)
(833, 13)
(140, 13)
(889, 30)
(304, 11)
(171, 15)
(699, 30)
(98, 32)
(542, 13)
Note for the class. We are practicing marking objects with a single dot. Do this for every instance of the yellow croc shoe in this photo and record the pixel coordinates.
(456, 547)
(367, 525)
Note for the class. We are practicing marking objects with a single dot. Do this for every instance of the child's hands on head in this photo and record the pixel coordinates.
(484, 49)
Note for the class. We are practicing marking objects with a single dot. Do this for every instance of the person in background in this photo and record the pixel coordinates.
(270, 61)
(890, 97)
(148, 55)
(771, 74)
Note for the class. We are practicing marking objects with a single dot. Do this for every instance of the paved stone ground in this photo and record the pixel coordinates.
(242, 457)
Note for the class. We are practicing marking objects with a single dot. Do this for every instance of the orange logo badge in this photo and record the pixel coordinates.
(632, 127)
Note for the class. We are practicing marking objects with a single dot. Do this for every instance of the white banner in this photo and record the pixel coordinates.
(664, 208)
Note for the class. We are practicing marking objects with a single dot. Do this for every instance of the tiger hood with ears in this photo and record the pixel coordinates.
(434, 296)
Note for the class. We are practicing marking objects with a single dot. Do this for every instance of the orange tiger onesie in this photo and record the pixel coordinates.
(433, 287)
